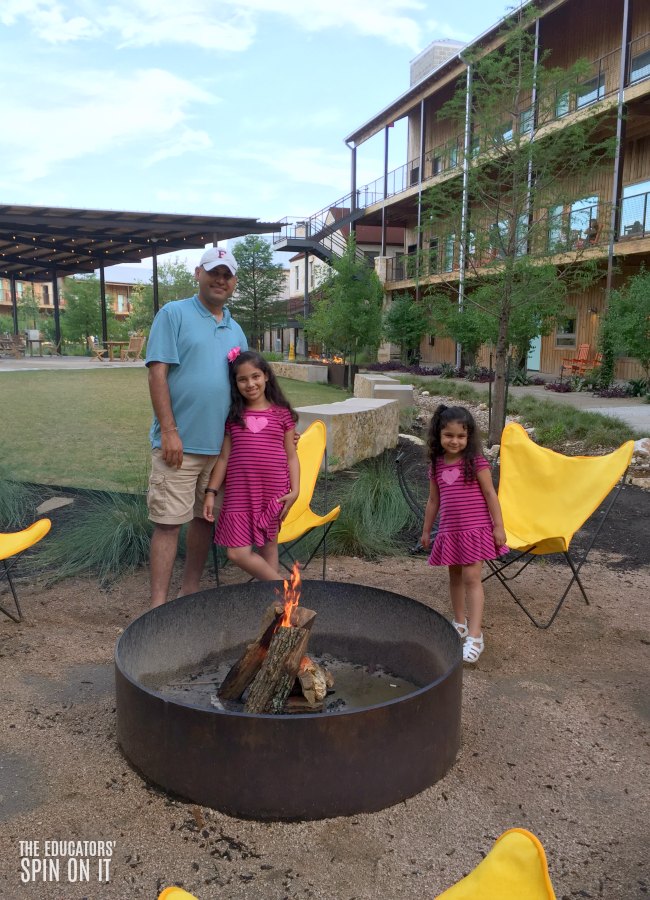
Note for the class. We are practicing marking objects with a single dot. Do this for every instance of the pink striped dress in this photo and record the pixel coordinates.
(465, 528)
(257, 475)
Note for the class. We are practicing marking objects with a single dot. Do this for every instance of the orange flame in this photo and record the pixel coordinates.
(291, 595)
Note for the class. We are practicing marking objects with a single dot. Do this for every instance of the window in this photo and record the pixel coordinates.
(635, 214)
(453, 157)
(565, 332)
(46, 295)
(590, 91)
(296, 278)
(581, 218)
(555, 229)
(640, 67)
(562, 104)
(475, 146)
(448, 253)
(437, 165)
(121, 305)
(526, 121)
(521, 235)
(311, 273)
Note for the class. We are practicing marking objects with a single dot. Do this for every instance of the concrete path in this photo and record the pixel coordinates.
(70, 363)
(631, 410)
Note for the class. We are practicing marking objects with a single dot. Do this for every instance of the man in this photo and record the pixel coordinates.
(190, 394)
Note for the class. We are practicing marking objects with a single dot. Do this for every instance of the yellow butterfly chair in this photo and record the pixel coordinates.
(545, 499)
(514, 869)
(176, 893)
(11, 546)
(301, 519)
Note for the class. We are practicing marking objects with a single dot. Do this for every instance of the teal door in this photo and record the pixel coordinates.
(534, 360)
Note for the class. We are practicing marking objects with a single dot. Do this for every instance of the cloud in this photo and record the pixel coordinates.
(96, 112)
(48, 20)
(232, 26)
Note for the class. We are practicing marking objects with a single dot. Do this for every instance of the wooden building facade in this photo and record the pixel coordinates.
(609, 221)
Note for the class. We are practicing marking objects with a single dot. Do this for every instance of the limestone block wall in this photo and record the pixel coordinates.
(300, 371)
(364, 383)
(356, 428)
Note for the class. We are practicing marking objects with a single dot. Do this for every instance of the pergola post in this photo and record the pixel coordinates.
(57, 317)
(154, 261)
(14, 302)
(102, 299)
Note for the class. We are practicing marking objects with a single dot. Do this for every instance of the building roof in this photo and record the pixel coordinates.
(37, 242)
(399, 107)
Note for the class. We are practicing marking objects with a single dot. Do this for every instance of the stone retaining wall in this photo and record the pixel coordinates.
(300, 371)
(356, 428)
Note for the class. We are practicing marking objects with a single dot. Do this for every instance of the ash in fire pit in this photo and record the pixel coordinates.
(355, 686)
(384, 745)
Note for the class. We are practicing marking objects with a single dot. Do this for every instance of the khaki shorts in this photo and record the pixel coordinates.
(175, 496)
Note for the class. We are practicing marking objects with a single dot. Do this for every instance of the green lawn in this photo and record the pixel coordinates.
(90, 428)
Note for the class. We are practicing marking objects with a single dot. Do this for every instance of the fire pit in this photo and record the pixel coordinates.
(351, 758)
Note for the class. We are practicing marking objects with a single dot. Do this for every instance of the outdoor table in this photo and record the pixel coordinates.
(111, 345)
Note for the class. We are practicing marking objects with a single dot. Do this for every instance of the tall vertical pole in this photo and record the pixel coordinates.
(418, 255)
(383, 209)
(617, 190)
(354, 199)
(462, 252)
(154, 261)
(57, 316)
(305, 304)
(14, 302)
(102, 303)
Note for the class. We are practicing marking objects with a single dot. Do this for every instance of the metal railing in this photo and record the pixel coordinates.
(639, 64)
(635, 217)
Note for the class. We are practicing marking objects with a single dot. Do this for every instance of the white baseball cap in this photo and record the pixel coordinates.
(218, 256)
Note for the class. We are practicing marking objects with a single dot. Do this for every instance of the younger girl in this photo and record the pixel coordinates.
(471, 525)
(259, 463)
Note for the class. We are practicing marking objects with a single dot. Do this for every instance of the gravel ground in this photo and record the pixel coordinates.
(554, 739)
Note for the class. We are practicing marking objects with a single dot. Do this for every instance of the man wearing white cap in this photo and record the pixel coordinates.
(187, 358)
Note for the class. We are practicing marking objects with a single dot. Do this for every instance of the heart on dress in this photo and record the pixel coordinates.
(256, 423)
(449, 476)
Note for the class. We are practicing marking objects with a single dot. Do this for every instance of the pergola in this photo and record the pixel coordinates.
(44, 243)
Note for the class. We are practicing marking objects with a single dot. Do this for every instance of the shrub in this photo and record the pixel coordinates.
(18, 502)
(110, 538)
(374, 512)
(559, 387)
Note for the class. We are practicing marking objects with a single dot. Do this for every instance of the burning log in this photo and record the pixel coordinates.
(314, 680)
(275, 662)
(277, 674)
(247, 667)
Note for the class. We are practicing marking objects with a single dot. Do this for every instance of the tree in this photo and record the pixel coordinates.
(627, 320)
(405, 323)
(82, 318)
(28, 308)
(175, 282)
(530, 220)
(347, 318)
(259, 283)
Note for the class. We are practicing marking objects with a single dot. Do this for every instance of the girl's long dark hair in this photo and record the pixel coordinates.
(442, 416)
(272, 390)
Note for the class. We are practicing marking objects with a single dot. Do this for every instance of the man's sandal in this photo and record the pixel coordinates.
(461, 628)
(472, 648)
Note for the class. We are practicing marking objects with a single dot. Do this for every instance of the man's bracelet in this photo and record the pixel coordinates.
(212, 491)
(167, 430)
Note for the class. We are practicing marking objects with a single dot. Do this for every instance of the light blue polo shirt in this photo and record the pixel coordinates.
(187, 337)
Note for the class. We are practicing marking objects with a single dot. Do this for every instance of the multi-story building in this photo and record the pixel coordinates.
(311, 266)
(610, 218)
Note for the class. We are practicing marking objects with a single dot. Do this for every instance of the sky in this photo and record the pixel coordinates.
(213, 107)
